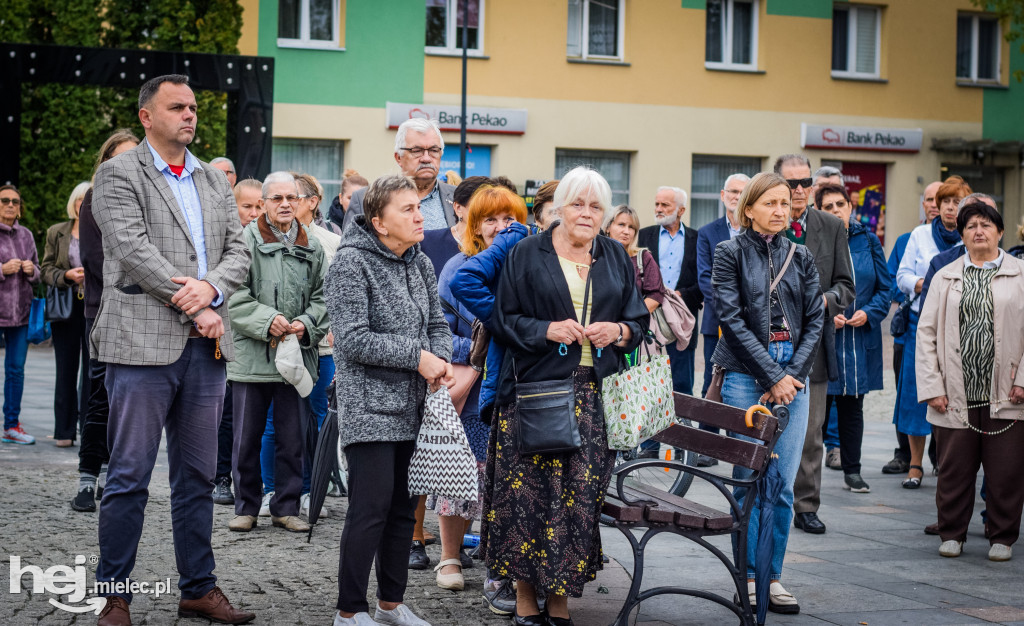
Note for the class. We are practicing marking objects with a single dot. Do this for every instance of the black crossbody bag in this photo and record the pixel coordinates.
(546, 410)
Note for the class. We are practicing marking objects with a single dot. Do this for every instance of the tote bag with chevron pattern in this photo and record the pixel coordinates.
(443, 463)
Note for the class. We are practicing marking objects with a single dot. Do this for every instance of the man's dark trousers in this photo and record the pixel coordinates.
(681, 362)
(225, 438)
(252, 401)
(186, 397)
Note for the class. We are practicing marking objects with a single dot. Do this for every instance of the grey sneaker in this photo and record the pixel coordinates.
(500, 596)
(856, 484)
(833, 460)
(399, 616)
(222, 491)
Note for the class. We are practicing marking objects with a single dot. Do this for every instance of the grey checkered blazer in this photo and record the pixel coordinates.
(145, 242)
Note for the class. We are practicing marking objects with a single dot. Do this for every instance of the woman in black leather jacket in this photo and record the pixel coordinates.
(768, 342)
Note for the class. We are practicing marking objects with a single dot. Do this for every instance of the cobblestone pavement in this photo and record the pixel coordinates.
(873, 566)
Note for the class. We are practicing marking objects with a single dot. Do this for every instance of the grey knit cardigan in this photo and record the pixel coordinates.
(384, 309)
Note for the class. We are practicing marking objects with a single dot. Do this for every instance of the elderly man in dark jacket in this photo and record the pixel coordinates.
(825, 236)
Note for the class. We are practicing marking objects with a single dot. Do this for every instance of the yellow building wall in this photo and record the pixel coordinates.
(248, 43)
(664, 47)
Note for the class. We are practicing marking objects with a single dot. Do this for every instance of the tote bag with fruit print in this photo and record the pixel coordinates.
(638, 401)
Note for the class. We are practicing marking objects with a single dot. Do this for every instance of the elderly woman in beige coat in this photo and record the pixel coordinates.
(969, 350)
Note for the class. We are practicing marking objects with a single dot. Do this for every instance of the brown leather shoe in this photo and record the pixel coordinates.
(291, 523)
(215, 607)
(115, 613)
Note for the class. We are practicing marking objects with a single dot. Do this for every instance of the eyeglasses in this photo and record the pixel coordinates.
(799, 182)
(733, 192)
(278, 199)
(417, 152)
(14, 201)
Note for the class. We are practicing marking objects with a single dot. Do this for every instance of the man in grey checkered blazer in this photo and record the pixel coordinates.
(173, 255)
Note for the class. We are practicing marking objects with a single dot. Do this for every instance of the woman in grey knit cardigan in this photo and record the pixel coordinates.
(392, 342)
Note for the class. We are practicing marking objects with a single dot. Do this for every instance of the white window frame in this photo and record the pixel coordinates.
(304, 41)
(454, 34)
(973, 78)
(727, 41)
(851, 42)
(584, 26)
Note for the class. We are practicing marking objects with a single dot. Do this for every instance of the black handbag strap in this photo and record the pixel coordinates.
(785, 266)
(451, 309)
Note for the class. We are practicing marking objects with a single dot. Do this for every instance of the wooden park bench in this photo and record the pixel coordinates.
(635, 505)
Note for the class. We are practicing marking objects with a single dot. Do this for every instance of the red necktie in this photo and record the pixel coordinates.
(797, 229)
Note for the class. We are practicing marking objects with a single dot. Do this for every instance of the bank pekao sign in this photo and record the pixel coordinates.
(837, 137)
(449, 117)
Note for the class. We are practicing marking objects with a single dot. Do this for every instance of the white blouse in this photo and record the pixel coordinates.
(918, 255)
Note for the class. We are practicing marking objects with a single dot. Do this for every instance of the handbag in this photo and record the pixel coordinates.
(638, 401)
(479, 340)
(38, 327)
(546, 410)
(443, 463)
(901, 318)
(672, 322)
(714, 393)
(59, 301)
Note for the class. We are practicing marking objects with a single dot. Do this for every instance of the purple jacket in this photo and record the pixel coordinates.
(16, 242)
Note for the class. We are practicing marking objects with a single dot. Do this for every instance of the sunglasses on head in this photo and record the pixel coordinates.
(799, 182)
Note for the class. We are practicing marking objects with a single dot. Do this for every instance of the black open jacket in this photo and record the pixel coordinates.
(533, 292)
(743, 271)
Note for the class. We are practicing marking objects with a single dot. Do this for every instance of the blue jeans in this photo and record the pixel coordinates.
(741, 390)
(14, 372)
(318, 404)
(831, 437)
(185, 397)
(681, 362)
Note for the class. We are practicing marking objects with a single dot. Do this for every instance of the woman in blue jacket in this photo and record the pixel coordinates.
(858, 333)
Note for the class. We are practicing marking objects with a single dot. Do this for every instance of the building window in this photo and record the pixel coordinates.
(308, 23)
(614, 166)
(595, 29)
(319, 158)
(709, 174)
(731, 35)
(977, 48)
(855, 41)
(444, 26)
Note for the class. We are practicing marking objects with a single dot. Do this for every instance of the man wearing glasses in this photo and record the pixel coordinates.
(418, 150)
(825, 236)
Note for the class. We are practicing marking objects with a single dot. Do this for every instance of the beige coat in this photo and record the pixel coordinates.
(939, 366)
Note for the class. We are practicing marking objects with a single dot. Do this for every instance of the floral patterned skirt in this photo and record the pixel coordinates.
(542, 512)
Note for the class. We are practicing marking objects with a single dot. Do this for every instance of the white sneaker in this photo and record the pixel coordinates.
(304, 507)
(359, 619)
(951, 548)
(400, 616)
(1000, 552)
(265, 506)
(18, 435)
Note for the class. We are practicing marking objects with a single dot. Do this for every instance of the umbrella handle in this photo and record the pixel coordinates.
(749, 416)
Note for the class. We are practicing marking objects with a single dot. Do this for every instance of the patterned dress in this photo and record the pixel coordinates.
(543, 511)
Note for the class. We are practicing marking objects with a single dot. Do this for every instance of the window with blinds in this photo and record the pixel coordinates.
(319, 158)
(977, 48)
(614, 166)
(731, 34)
(595, 29)
(855, 41)
(709, 174)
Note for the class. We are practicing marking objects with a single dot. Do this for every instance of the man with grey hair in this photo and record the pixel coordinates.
(826, 175)
(825, 236)
(225, 165)
(709, 236)
(675, 246)
(418, 150)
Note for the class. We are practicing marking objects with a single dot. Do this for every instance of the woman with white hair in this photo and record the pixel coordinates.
(567, 310)
(62, 268)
